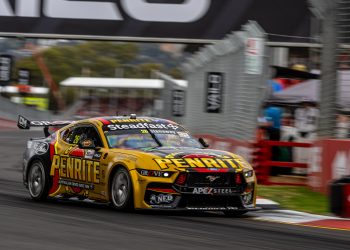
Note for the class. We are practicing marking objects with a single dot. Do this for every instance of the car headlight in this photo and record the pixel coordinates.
(248, 173)
(154, 173)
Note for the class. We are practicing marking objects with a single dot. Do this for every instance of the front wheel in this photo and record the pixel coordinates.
(121, 190)
(38, 181)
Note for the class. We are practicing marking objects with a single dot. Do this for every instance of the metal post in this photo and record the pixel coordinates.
(329, 86)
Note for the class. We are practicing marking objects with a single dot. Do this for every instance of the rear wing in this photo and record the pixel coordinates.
(24, 123)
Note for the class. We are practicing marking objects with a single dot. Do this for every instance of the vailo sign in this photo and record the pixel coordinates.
(152, 20)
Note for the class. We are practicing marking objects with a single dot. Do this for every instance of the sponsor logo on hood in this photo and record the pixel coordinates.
(197, 163)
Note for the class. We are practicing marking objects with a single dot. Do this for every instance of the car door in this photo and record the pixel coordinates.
(79, 167)
(95, 171)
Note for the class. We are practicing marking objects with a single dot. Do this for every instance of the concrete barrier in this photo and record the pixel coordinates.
(10, 111)
(7, 124)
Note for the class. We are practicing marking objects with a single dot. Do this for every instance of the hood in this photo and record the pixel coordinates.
(168, 158)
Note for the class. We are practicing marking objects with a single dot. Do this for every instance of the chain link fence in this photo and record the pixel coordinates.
(226, 85)
(173, 98)
(335, 63)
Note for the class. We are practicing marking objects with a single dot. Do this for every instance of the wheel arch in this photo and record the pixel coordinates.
(133, 178)
(30, 162)
(112, 172)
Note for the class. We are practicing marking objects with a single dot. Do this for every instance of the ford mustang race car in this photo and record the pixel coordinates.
(135, 163)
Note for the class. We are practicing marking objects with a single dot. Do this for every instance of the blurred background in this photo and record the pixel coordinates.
(269, 80)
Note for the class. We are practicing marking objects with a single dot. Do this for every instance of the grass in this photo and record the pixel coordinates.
(296, 198)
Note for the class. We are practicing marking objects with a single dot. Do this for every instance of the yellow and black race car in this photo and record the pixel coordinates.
(135, 163)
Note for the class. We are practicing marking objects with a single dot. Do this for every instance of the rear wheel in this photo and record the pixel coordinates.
(234, 213)
(121, 190)
(38, 181)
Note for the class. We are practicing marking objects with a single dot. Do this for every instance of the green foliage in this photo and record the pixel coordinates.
(175, 73)
(296, 198)
(29, 63)
(101, 58)
(96, 59)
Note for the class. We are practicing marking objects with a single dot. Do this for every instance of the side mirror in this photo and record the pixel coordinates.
(86, 144)
(203, 143)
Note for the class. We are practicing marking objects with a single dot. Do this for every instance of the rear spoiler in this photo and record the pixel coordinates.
(24, 123)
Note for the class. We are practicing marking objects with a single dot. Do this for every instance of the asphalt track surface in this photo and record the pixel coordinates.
(25, 224)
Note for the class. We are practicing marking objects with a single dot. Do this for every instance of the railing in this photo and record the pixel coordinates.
(262, 161)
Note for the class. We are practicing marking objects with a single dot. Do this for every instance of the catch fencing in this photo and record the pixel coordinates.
(335, 16)
(226, 85)
(173, 98)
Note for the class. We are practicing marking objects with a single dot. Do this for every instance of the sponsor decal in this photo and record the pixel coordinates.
(76, 184)
(41, 148)
(97, 156)
(48, 123)
(161, 199)
(214, 95)
(196, 163)
(140, 125)
(76, 169)
(141, 10)
(213, 191)
(183, 135)
(23, 122)
(129, 120)
(89, 154)
(212, 208)
(171, 132)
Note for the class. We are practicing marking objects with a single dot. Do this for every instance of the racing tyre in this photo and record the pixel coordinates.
(38, 181)
(234, 213)
(121, 190)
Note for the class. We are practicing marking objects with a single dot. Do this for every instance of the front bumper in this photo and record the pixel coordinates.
(160, 196)
(197, 193)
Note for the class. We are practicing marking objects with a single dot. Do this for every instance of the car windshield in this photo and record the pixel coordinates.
(136, 139)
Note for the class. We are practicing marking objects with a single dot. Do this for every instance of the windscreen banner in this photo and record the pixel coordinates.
(157, 20)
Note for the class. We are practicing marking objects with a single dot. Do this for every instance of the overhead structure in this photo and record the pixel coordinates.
(102, 82)
(162, 95)
(190, 21)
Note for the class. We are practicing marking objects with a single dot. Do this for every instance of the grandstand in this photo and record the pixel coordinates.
(110, 96)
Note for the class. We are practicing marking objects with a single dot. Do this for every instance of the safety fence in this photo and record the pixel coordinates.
(259, 154)
(329, 159)
(227, 83)
(263, 161)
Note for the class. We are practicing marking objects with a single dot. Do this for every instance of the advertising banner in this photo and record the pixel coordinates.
(157, 20)
(254, 56)
(178, 102)
(330, 160)
(6, 62)
(214, 102)
(24, 76)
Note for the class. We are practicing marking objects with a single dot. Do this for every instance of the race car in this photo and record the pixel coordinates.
(135, 163)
